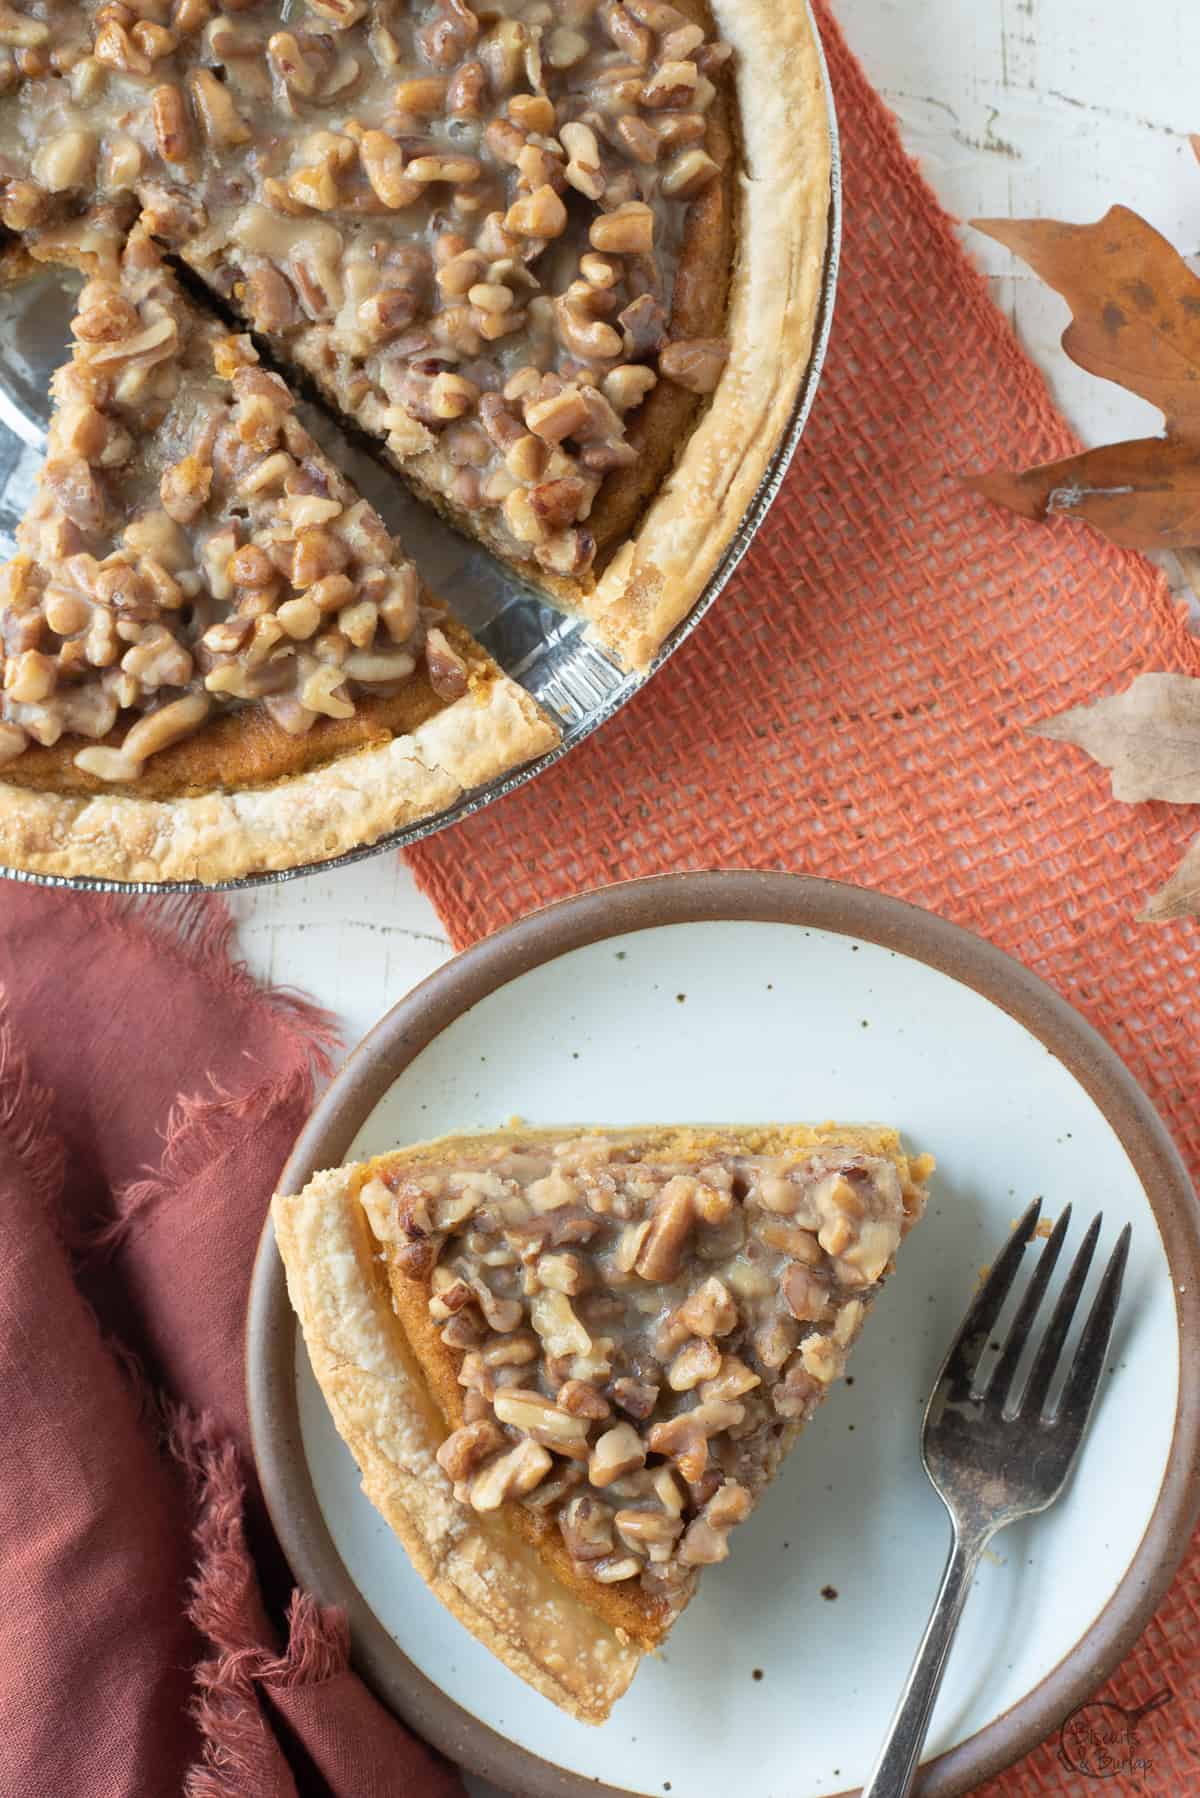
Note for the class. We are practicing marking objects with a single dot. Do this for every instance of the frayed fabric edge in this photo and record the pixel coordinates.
(27, 1129)
(196, 1134)
(226, 1608)
(198, 929)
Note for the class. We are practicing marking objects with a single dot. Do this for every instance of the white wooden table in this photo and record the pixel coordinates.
(1015, 108)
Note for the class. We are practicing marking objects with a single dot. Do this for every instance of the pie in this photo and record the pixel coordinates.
(569, 1363)
(559, 260)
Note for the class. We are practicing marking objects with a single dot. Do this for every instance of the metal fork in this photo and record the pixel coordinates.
(993, 1457)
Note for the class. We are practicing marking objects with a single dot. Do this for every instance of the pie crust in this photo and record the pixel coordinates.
(324, 812)
(369, 1317)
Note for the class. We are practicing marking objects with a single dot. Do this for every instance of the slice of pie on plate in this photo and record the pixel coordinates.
(217, 659)
(568, 1363)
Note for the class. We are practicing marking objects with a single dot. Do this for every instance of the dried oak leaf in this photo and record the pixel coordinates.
(1149, 739)
(1135, 308)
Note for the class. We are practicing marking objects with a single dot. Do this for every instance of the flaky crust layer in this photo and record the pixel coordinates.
(312, 817)
(783, 180)
(480, 1568)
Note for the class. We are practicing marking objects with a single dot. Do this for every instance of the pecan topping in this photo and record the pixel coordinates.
(468, 226)
(246, 568)
(664, 1357)
(320, 167)
(695, 365)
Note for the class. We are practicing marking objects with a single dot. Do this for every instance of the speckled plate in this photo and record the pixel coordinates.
(577, 683)
(717, 997)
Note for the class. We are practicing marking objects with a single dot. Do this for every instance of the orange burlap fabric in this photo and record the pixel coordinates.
(855, 706)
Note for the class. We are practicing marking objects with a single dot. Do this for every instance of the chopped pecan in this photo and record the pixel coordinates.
(587, 1528)
(644, 327)
(78, 491)
(463, 1450)
(558, 502)
(695, 363)
(582, 1400)
(670, 1227)
(509, 1476)
(447, 671)
(635, 1397)
(617, 1452)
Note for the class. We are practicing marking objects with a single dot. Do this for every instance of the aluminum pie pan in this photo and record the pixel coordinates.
(548, 654)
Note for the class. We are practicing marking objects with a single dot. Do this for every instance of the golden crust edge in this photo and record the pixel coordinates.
(486, 1576)
(655, 579)
(313, 816)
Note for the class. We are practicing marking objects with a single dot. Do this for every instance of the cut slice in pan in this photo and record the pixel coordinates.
(570, 1362)
(216, 658)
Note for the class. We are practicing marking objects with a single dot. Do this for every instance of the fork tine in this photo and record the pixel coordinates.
(1084, 1377)
(963, 1356)
(1034, 1396)
(1018, 1335)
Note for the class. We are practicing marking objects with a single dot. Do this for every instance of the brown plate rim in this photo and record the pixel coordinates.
(741, 896)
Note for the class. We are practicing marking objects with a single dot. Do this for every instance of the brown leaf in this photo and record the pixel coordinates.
(1148, 736)
(1135, 304)
(1144, 494)
(1180, 898)
(1135, 320)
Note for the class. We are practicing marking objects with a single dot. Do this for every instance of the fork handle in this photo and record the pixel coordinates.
(895, 1769)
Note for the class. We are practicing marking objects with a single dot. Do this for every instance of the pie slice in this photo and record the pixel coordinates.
(569, 1364)
(217, 659)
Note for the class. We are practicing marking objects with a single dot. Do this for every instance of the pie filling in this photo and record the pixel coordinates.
(638, 1337)
(465, 220)
(190, 548)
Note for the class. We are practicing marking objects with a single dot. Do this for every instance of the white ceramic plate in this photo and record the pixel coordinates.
(799, 1644)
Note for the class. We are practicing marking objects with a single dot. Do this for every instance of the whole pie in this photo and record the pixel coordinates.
(569, 1363)
(559, 260)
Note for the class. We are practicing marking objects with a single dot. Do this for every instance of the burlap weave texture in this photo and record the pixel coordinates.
(856, 706)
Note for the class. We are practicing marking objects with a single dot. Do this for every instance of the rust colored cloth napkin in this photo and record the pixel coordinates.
(149, 1094)
(856, 706)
